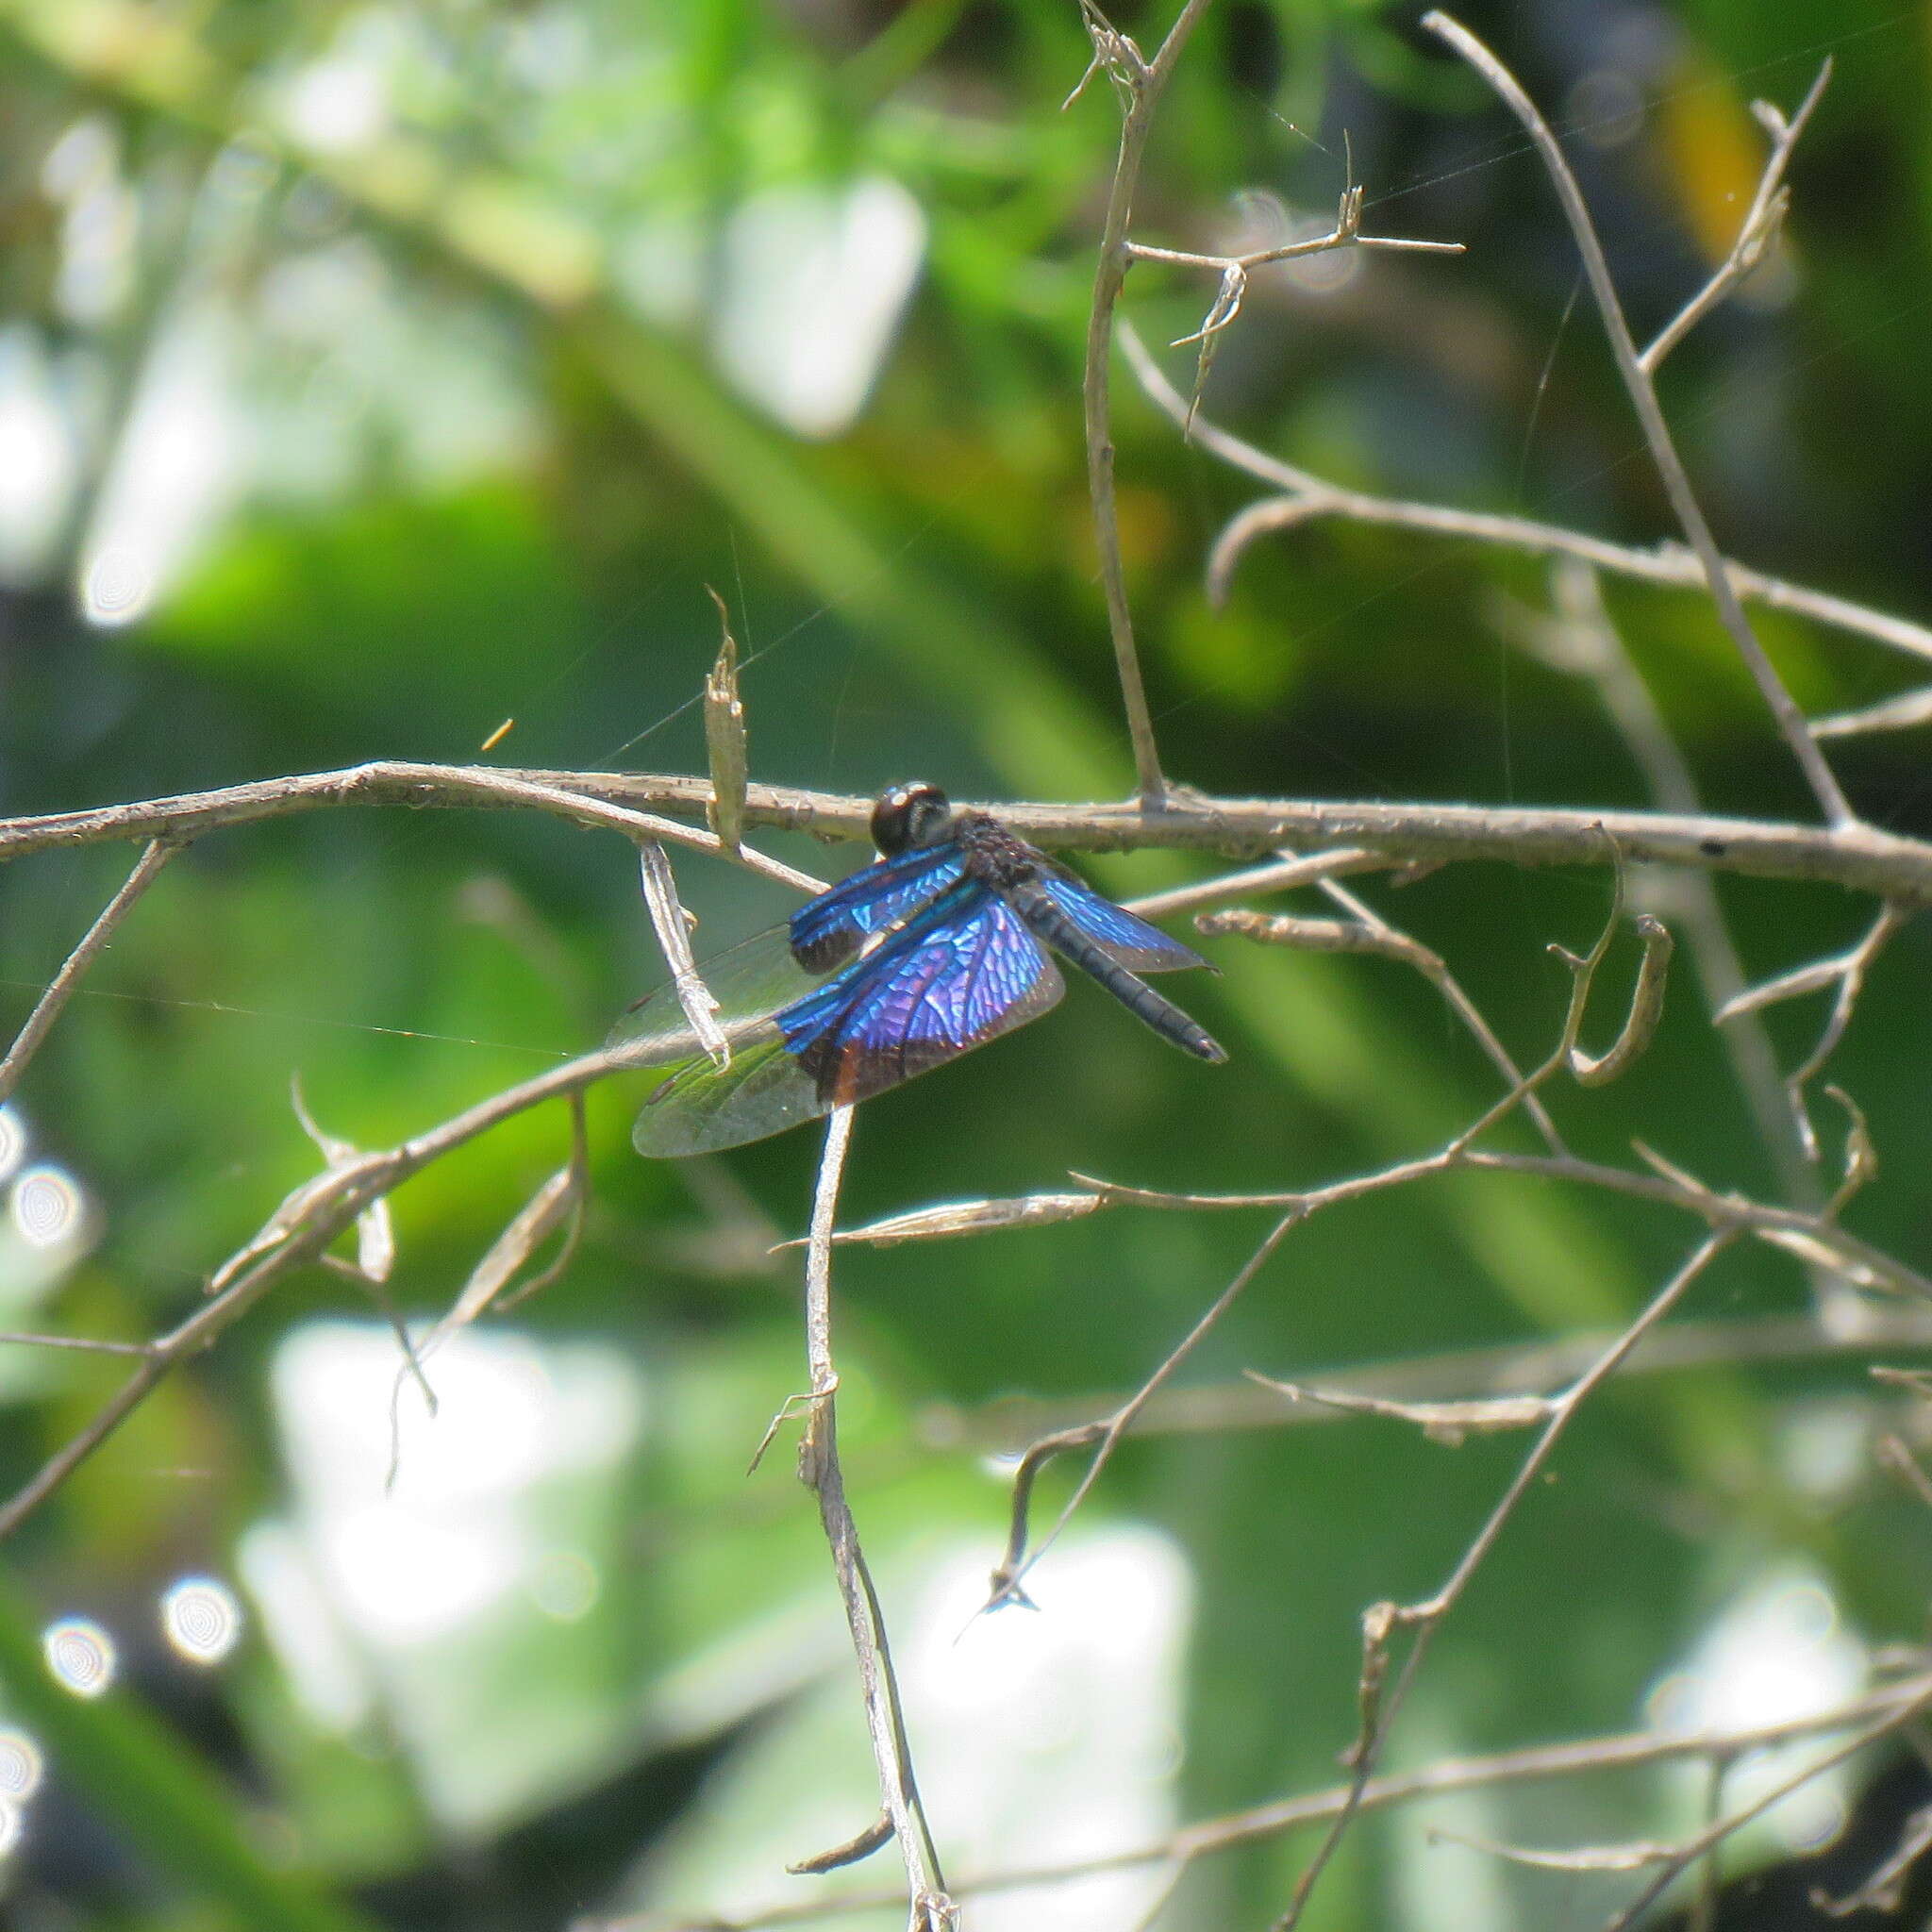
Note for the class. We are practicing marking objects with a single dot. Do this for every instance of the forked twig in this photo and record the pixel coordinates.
(1756, 233)
(1641, 389)
(1581, 640)
(1380, 1624)
(1137, 83)
(1366, 931)
(1893, 1703)
(1307, 498)
(1844, 973)
(1695, 1848)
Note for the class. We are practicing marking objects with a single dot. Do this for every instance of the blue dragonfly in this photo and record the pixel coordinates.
(937, 947)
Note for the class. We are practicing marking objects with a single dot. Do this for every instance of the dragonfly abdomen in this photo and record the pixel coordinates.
(1046, 920)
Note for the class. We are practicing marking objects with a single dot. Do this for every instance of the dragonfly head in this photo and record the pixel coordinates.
(909, 816)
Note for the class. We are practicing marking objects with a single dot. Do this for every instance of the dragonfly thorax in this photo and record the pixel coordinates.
(993, 854)
(911, 816)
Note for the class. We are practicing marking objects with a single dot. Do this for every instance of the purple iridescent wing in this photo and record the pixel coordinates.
(829, 930)
(1125, 939)
(959, 974)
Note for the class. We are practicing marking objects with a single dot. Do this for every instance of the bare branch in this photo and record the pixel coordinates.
(819, 1467)
(1008, 1424)
(1756, 233)
(1380, 1624)
(1627, 1858)
(1139, 84)
(1011, 1573)
(1278, 876)
(300, 1232)
(1646, 1008)
(1309, 498)
(1582, 641)
(1893, 1704)
(14, 1338)
(1910, 708)
(1884, 1891)
(1695, 1848)
(1858, 856)
(1643, 392)
(1366, 931)
(1845, 972)
(1898, 1458)
(1448, 1422)
(40, 1023)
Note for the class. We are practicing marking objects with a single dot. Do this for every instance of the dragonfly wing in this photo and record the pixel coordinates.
(749, 982)
(829, 930)
(698, 1108)
(962, 973)
(1128, 941)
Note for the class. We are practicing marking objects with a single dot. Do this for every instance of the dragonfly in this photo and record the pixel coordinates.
(940, 945)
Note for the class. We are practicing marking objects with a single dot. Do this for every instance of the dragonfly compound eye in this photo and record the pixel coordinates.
(909, 816)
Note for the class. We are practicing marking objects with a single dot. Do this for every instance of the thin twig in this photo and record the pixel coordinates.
(1367, 931)
(1278, 875)
(1379, 1708)
(15, 1338)
(1007, 1425)
(1884, 1891)
(1138, 83)
(1583, 641)
(331, 1204)
(1309, 498)
(1845, 973)
(1757, 232)
(819, 1467)
(1695, 1848)
(1010, 1576)
(725, 736)
(1657, 432)
(1582, 1757)
(1902, 714)
(61, 988)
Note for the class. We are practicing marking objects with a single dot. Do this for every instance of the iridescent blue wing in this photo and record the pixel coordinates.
(829, 930)
(1125, 939)
(959, 974)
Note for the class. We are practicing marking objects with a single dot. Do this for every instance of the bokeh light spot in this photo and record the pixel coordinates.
(566, 1585)
(21, 1767)
(46, 1206)
(202, 1618)
(80, 1655)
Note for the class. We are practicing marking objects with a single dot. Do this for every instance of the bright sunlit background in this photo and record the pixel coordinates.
(376, 374)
